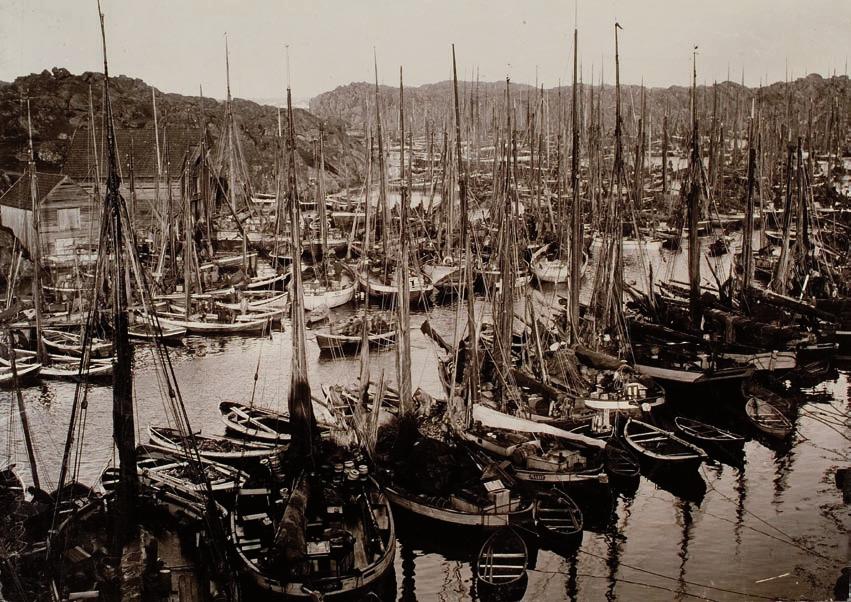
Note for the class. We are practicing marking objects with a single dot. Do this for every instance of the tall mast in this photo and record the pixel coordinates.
(231, 155)
(36, 244)
(123, 423)
(576, 214)
(299, 403)
(382, 169)
(403, 345)
(747, 239)
(320, 205)
(618, 173)
(22, 412)
(472, 376)
(693, 206)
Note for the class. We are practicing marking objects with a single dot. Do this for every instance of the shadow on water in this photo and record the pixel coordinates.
(686, 485)
(686, 522)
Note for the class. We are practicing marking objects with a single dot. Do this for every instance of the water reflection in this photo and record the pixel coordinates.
(685, 521)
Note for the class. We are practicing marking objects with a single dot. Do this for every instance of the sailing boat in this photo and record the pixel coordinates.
(438, 479)
(311, 532)
(332, 283)
(138, 523)
(377, 272)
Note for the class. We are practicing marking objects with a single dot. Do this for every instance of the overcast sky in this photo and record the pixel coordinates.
(178, 44)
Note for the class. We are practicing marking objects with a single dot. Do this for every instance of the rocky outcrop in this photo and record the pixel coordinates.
(59, 103)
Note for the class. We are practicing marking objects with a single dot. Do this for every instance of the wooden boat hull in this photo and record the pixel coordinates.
(328, 587)
(420, 291)
(707, 435)
(501, 565)
(450, 516)
(678, 453)
(216, 328)
(767, 418)
(339, 342)
(247, 453)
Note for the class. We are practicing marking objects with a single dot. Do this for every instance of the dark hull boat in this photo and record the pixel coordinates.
(558, 520)
(661, 448)
(501, 566)
(328, 537)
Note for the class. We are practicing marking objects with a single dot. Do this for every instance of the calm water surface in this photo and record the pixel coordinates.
(775, 527)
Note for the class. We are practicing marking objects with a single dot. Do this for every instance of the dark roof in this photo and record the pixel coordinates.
(18, 195)
(174, 144)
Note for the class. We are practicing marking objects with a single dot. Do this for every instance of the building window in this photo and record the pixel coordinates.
(69, 219)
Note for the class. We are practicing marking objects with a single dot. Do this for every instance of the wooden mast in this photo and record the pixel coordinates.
(123, 421)
(693, 207)
(472, 376)
(299, 402)
(22, 411)
(403, 343)
(747, 239)
(36, 244)
(382, 170)
(576, 210)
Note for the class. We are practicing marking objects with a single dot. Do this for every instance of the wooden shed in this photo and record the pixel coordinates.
(69, 218)
(136, 148)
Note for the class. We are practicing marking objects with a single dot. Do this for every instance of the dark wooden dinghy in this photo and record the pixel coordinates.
(222, 449)
(501, 565)
(707, 434)
(662, 447)
(767, 418)
(558, 519)
(620, 463)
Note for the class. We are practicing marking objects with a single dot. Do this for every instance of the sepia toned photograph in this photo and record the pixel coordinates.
(477, 301)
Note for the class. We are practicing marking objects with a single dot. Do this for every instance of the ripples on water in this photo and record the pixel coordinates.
(775, 527)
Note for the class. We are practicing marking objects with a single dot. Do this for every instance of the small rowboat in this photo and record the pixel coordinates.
(707, 434)
(23, 371)
(340, 342)
(767, 418)
(70, 343)
(214, 327)
(254, 422)
(70, 369)
(558, 519)
(501, 565)
(661, 447)
(171, 471)
(148, 332)
(223, 449)
(620, 463)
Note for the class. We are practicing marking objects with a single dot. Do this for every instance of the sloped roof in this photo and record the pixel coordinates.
(18, 195)
(174, 144)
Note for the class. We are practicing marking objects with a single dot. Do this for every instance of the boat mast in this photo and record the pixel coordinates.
(382, 170)
(36, 244)
(320, 204)
(403, 345)
(22, 411)
(231, 169)
(693, 206)
(472, 376)
(299, 403)
(123, 422)
(747, 240)
(576, 214)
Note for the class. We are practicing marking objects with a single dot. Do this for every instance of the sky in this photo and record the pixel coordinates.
(178, 45)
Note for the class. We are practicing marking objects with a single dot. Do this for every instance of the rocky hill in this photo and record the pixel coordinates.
(355, 103)
(59, 103)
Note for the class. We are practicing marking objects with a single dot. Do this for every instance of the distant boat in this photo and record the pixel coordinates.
(767, 418)
(501, 565)
(662, 447)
